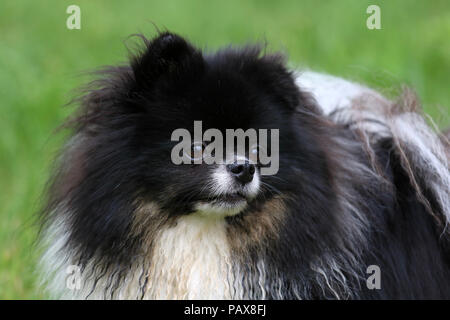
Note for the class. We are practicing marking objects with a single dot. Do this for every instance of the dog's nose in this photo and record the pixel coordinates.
(243, 172)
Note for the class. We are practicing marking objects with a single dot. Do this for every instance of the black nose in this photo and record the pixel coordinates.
(243, 172)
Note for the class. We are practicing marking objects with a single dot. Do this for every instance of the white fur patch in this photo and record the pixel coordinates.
(191, 261)
(356, 103)
(330, 92)
(223, 183)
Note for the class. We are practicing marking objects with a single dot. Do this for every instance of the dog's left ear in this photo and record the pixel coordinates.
(269, 71)
(168, 53)
(281, 82)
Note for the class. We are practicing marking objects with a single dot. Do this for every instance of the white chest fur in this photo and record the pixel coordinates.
(191, 260)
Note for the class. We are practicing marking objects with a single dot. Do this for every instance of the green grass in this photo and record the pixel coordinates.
(40, 60)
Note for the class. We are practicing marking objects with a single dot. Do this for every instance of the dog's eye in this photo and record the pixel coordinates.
(255, 152)
(196, 151)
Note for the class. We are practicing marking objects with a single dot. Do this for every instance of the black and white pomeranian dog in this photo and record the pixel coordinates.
(358, 208)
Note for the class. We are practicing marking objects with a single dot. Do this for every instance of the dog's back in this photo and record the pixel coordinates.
(409, 242)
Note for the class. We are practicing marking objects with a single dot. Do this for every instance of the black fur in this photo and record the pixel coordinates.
(125, 123)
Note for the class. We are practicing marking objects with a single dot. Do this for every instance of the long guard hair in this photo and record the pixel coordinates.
(368, 184)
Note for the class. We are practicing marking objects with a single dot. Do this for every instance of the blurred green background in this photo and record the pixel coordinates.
(40, 63)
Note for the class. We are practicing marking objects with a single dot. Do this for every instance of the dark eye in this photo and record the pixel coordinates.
(255, 152)
(196, 151)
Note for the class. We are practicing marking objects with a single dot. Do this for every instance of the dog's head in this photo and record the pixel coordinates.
(131, 126)
(173, 86)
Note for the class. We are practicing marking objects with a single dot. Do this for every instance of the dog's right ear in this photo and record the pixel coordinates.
(167, 53)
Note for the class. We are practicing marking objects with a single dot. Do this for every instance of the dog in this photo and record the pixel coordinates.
(358, 207)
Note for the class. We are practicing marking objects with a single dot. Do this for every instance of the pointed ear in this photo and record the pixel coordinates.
(166, 53)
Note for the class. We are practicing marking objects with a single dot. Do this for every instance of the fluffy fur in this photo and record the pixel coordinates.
(362, 181)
